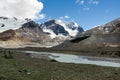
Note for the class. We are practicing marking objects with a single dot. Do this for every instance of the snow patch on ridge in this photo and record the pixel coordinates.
(11, 23)
(71, 27)
(52, 34)
(67, 27)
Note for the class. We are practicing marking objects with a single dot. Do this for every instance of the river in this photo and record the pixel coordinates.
(77, 59)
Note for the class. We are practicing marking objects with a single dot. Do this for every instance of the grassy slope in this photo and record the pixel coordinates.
(40, 69)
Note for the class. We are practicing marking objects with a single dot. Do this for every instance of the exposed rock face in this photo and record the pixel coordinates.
(7, 35)
(31, 32)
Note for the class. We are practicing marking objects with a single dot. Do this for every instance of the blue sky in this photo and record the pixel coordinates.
(87, 13)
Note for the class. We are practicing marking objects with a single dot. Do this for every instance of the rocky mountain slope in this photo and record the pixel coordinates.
(27, 33)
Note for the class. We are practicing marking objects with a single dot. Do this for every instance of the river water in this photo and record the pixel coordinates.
(77, 59)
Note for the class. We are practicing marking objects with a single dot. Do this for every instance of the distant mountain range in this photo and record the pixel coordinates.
(16, 33)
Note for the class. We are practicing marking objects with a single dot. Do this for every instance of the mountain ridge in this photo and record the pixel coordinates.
(29, 32)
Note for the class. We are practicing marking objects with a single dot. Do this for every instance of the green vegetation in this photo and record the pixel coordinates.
(22, 67)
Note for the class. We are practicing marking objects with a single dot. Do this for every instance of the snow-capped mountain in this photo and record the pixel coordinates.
(57, 28)
(11, 23)
(21, 33)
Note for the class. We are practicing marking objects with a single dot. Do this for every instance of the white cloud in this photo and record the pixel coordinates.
(21, 8)
(96, 2)
(40, 16)
(65, 17)
(80, 2)
(86, 2)
(86, 8)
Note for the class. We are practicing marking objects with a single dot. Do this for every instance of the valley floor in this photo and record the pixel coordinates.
(22, 67)
(107, 53)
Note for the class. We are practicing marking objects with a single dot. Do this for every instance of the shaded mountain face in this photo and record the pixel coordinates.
(23, 33)
(104, 37)
(56, 28)
(6, 35)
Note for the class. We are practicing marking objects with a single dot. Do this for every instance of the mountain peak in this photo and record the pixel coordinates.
(56, 27)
